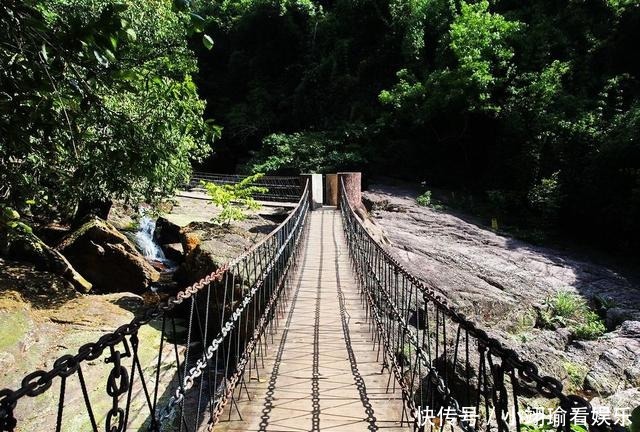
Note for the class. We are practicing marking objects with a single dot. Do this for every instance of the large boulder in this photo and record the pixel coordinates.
(40, 288)
(166, 232)
(42, 317)
(27, 247)
(107, 258)
(208, 246)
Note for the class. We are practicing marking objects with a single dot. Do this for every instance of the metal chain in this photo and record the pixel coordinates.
(286, 239)
(230, 324)
(547, 386)
(38, 382)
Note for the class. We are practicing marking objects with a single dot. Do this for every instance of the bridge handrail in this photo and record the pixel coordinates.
(381, 277)
(261, 274)
(280, 188)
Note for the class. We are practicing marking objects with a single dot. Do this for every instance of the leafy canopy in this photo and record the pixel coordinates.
(97, 102)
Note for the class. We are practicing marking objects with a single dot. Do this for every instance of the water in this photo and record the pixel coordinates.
(144, 240)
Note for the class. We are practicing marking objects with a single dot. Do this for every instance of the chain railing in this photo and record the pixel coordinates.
(279, 188)
(179, 364)
(451, 372)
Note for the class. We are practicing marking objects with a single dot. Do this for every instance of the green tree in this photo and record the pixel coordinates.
(98, 103)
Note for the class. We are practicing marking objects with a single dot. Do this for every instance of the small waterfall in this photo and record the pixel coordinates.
(144, 240)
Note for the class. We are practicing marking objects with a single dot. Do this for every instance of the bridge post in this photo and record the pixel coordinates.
(315, 189)
(352, 186)
(332, 189)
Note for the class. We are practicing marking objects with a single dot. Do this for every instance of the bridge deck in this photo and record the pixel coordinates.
(321, 371)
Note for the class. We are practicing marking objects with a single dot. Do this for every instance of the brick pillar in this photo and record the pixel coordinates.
(332, 189)
(352, 186)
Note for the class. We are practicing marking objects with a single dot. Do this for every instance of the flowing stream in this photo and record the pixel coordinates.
(144, 240)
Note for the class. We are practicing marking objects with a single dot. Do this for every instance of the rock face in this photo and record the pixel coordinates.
(107, 258)
(28, 247)
(501, 282)
(618, 366)
(42, 317)
(208, 246)
(173, 251)
(166, 232)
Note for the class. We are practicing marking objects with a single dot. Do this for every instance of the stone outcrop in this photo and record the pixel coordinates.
(208, 246)
(27, 247)
(107, 258)
(173, 251)
(166, 232)
(42, 317)
(618, 367)
(502, 283)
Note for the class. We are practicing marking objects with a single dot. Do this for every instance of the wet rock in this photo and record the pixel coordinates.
(173, 251)
(107, 258)
(166, 232)
(26, 246)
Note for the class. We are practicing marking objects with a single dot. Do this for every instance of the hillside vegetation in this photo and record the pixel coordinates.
(530, 106)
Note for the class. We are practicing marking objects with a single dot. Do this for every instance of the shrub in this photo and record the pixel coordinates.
(234, 199)
(424, 199)
(592, 328)
(545, 196)
(569, 310)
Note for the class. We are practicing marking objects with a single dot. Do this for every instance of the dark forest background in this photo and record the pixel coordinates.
(532, 107)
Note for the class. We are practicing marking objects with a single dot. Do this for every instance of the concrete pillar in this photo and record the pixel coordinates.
(352, 186)
(332, 189)
(315, 189)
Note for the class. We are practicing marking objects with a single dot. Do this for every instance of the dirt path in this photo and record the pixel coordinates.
(502, 282)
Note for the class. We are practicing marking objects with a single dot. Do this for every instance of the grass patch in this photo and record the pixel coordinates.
(566, 309)
(576, 373)
(521, 328)
(592, 328)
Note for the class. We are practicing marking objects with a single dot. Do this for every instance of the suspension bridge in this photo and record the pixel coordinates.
(317, 327)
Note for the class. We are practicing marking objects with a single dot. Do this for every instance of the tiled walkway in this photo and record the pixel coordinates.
(321, 371)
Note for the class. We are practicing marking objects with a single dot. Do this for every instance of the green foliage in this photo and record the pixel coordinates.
(305, 153)
(479, 41)
(576, 373)
(234, 199)
(11, 223)
(424, 199)
(605, 303)
(97, 103)
(545, 195)
(566, 309)
(591, 328)
(565, 304)
(635, 420)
